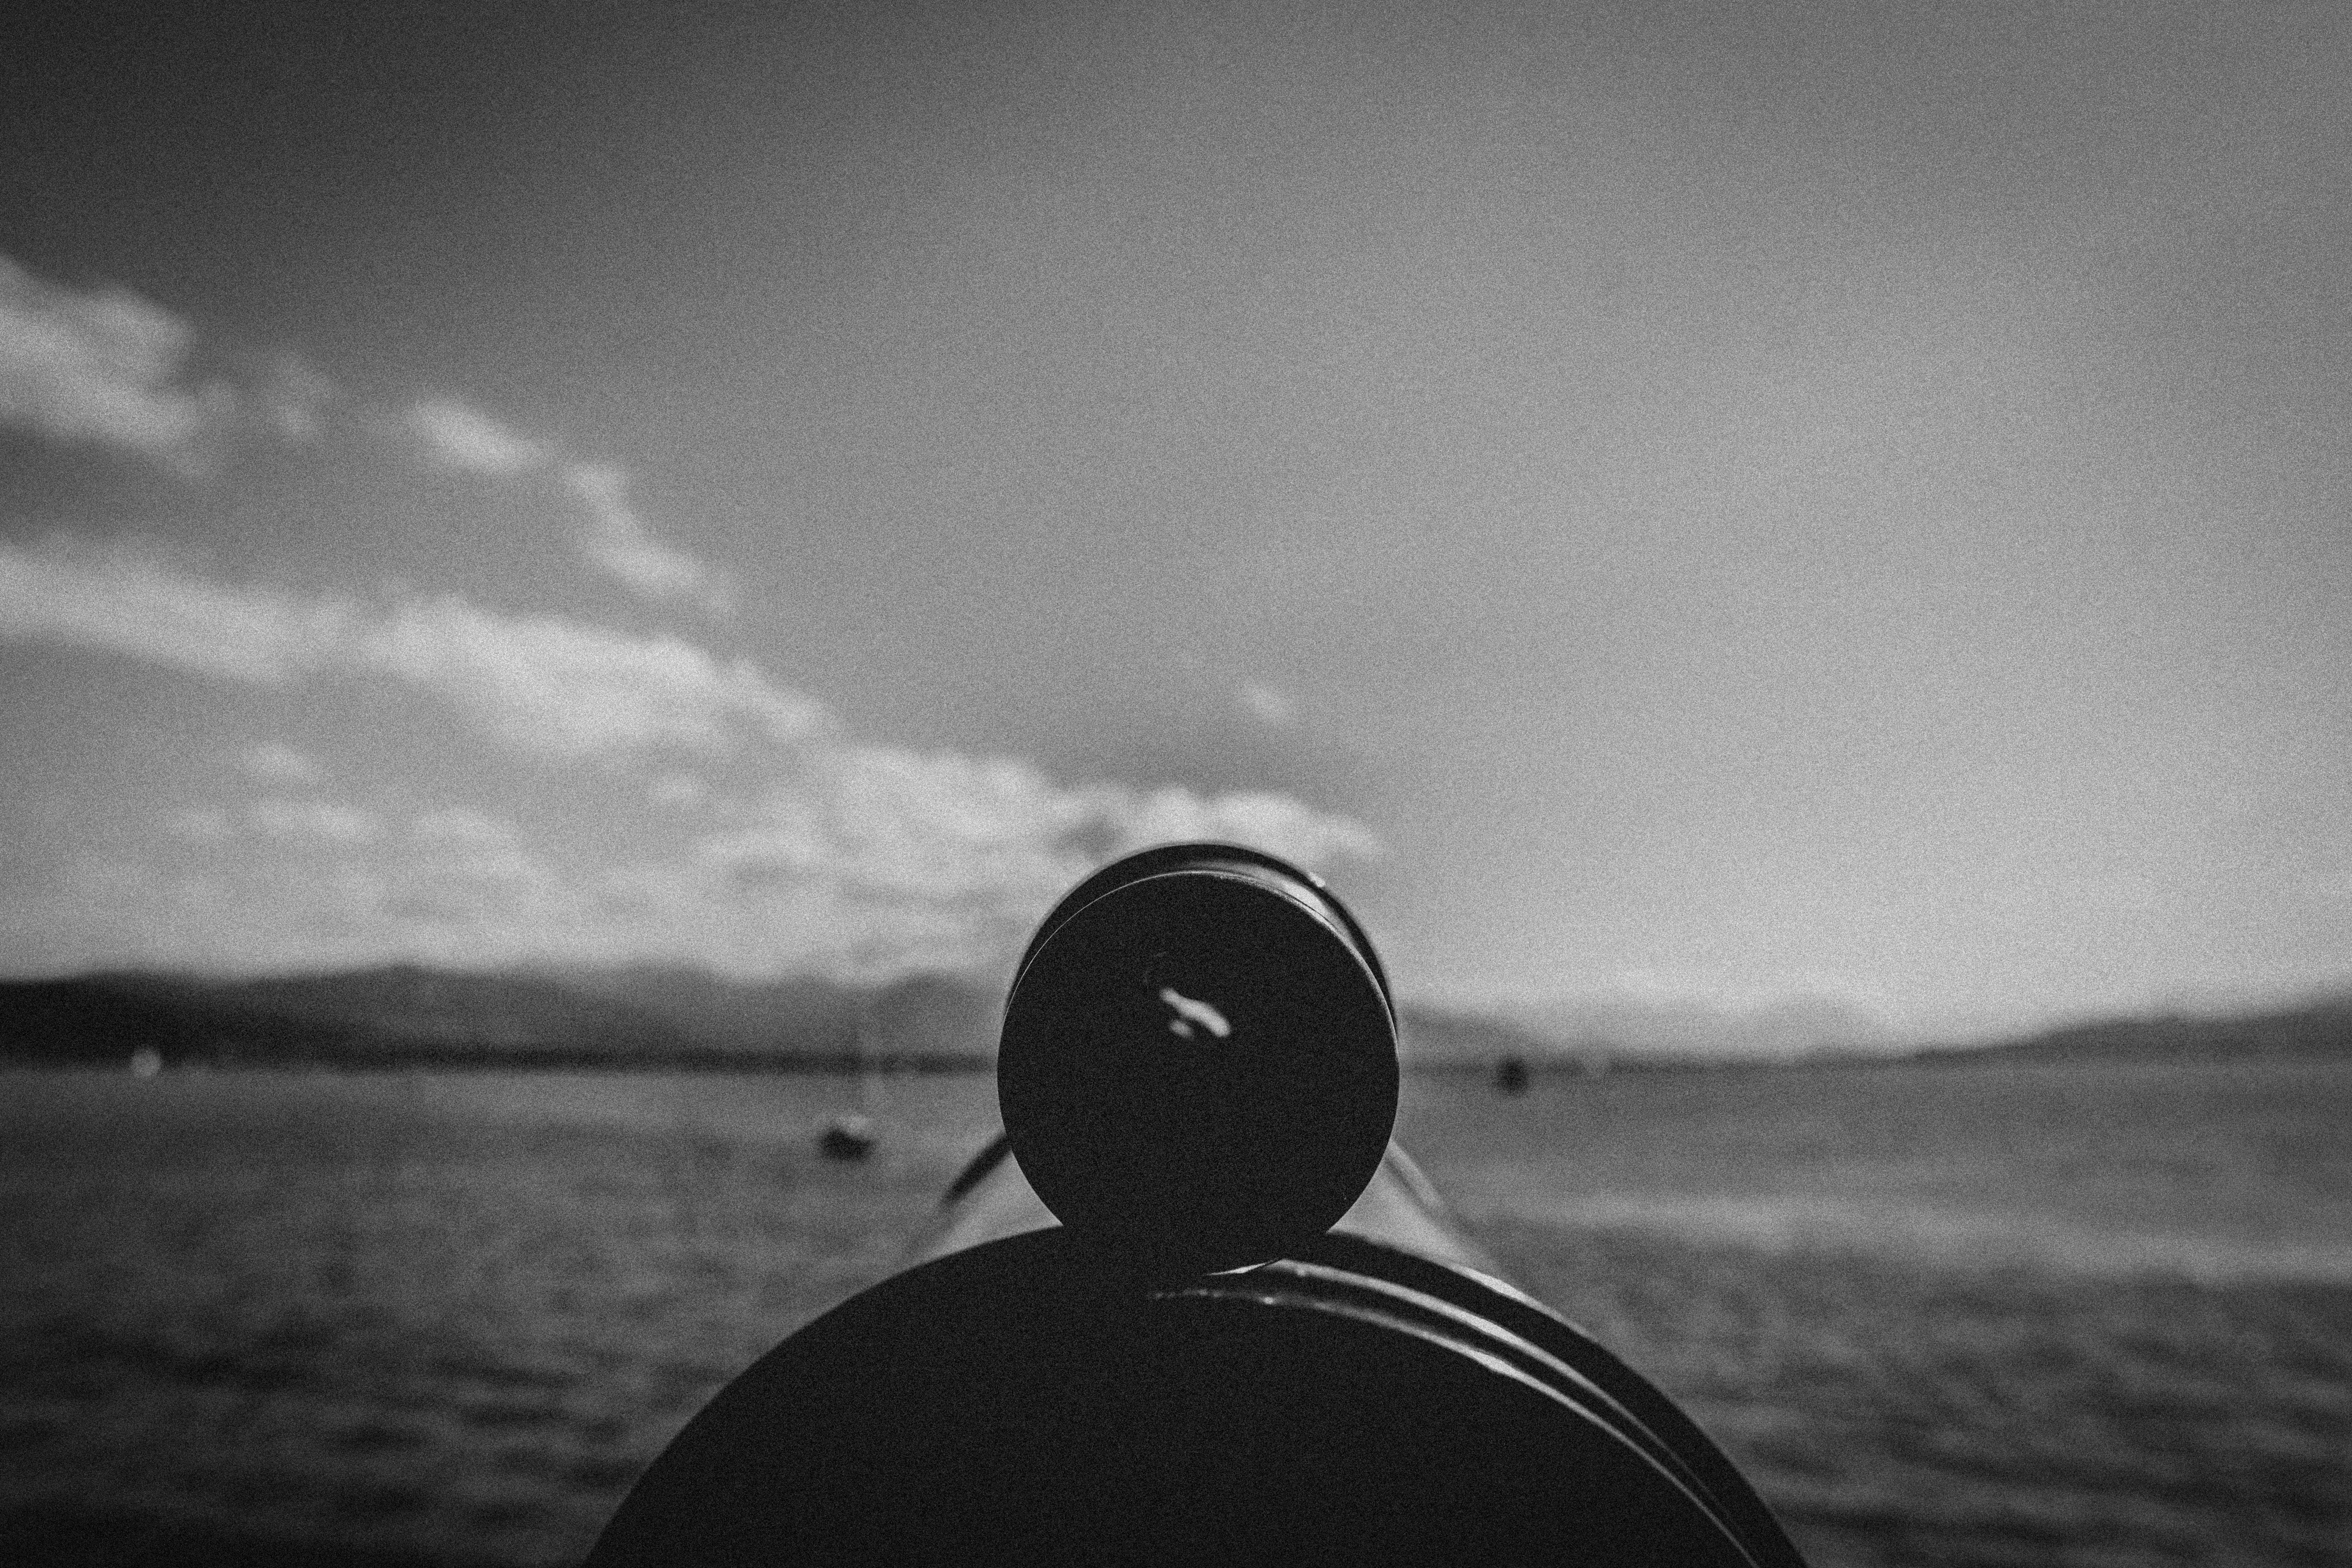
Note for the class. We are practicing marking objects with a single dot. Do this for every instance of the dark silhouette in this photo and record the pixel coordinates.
(848, 1136)
(1254, 1335)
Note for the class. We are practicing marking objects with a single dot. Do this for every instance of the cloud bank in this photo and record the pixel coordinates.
(851, 858)
(875, 864)
(146, 610)
(854, 858)
(548, 684)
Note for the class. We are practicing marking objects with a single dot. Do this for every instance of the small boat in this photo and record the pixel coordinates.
(852, 1134)
(849, 1135)
(1511, 1076)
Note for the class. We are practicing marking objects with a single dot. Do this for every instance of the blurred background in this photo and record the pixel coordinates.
(574, 581)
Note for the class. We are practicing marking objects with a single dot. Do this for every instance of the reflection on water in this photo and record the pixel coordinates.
(1951, 1315)
(1929, 1235)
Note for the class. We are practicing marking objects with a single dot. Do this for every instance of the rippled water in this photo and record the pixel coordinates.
(1956, 1315)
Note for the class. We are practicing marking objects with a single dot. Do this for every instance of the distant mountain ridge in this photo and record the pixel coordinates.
(1630, 1029)
(1608, 1034)
(2320, 1028)
(404, 1013)
(654, 1017)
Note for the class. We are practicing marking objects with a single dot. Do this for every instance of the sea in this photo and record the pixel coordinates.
(1978, 1312)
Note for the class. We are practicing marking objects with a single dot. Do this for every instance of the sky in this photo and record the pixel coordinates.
(1725, 506)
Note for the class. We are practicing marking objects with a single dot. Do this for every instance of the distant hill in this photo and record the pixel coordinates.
(1616, 1036)
(1628, 1030)
(2317, 1028)
(407, 1014)
(639, 1015)
(654, 1017)
(1608, 1033)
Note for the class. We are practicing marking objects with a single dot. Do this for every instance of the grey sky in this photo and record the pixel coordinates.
(1736, 501)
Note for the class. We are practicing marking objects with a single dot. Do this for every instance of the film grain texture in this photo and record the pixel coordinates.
(444, 1317)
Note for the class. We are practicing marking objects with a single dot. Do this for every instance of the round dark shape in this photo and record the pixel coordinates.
(1236, 858)
(1198, 1067)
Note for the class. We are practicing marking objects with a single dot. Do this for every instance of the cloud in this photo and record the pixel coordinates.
(878, 852)
(477, 884)
(471, 902)
(148, 610)
(545, 684)
(874, 862)
(460, 438)
(944, 825)
(617, 544)
(1269, 707)
(275, 763)
(101, 365)
(552, 684)
(464, 440)
(111, 367)
(291, 398)
(859, 860)
(1278, 824)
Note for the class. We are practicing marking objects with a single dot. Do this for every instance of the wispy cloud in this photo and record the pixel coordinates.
(542, 683)
(111, 367)
(553, 684)
(108, 367)
(875, 862)
(151, 611)
(875, 848)
(611, 536)
(98, 366)
(292, 399)
(857, 858)
(1269, 707)
(618, 542)
(500, 897)
(463, 439)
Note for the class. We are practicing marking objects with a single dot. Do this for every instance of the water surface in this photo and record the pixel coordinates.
(1972, 1314)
